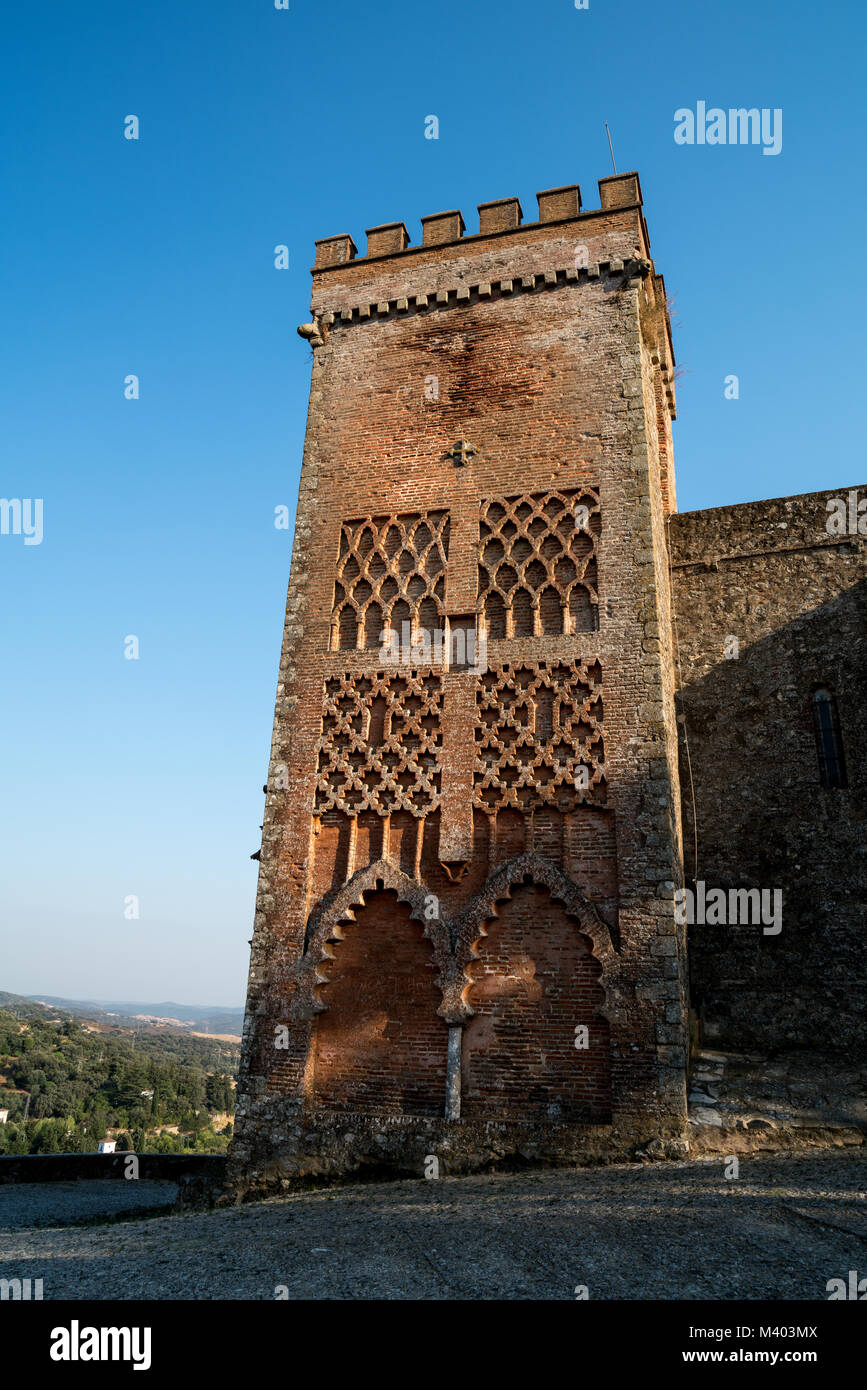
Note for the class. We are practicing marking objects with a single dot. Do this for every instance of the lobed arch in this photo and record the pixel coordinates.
(453, 938)
(533, 868)
(340, 910)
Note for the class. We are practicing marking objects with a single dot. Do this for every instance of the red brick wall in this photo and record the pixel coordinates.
(550, 374)
(380, 1047)
(534, 981)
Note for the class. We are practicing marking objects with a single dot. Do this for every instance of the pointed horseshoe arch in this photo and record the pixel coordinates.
(377, 877)
(536, 1046)
(533, 868)
(464, 929)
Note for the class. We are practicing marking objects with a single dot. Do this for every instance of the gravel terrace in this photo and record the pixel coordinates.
(782, 1229)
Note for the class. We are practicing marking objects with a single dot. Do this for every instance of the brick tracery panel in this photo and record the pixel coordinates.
(380, 745)
(390, 570)
(539, 738)
(538, 563)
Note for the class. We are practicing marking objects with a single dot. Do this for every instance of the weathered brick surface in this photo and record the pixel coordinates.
(530, 990)
(770, 575)
(527, 367)
(380, 1047)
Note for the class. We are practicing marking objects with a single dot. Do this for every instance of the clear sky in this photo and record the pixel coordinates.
(155, 257)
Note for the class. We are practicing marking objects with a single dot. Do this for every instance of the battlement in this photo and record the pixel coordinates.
(500, 217)
(507, 258)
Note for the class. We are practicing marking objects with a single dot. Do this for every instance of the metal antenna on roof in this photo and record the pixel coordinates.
(611, 147)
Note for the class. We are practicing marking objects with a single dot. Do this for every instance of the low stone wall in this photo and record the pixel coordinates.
(282, 1150)
(75, 1167)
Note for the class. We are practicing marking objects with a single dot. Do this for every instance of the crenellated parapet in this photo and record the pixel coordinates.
(497, 218)
(566, 247)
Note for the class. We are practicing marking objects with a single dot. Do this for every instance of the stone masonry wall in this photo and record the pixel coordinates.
(792, 594)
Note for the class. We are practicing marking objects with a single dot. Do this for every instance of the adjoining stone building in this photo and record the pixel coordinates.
(771, 612)
(467, 943)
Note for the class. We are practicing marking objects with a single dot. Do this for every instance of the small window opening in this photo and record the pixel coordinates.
(829, 745)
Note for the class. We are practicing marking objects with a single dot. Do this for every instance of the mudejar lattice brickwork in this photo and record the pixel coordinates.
(465, 941)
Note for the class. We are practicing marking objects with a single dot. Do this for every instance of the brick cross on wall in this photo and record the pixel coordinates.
(462, 452)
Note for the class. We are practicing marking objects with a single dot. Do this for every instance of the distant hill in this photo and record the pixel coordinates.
(211, 1020)
(72, 1075)
(21, 1005)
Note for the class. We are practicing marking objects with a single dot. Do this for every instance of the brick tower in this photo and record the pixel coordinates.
(465, 943)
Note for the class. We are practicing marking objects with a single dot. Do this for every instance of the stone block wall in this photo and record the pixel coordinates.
(771, 608)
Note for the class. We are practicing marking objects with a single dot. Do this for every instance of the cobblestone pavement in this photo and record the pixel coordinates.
(35, 1204)
(782, 1229)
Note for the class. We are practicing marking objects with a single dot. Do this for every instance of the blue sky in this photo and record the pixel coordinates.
(155, 257)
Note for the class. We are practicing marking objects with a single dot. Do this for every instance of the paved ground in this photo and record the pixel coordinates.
(55, 1204)
(782, 1229)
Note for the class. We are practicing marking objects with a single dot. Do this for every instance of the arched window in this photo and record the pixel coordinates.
(829, 745)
